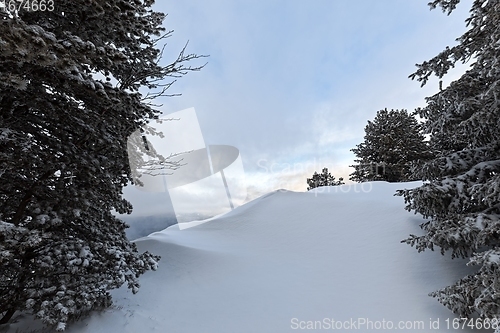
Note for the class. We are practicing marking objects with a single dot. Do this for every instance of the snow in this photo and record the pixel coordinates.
(285, 261)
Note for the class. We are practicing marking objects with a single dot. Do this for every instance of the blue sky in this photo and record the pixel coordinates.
(293, 83)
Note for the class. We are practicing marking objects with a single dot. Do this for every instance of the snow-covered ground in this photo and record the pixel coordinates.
(286, 261)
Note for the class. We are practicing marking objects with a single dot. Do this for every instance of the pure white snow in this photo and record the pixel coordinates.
(327, 258)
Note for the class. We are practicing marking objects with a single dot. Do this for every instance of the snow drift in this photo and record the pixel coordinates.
(326, 259)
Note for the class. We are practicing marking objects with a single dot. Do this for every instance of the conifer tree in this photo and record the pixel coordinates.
(461, 193)
(323, 179)
(393, 145)
(70, 75)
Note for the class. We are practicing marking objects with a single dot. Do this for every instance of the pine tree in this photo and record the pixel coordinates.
(70, 75)
(461, 193)
(323, 179)
(393, 145)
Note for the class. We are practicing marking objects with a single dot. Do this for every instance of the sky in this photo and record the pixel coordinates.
(292, 84)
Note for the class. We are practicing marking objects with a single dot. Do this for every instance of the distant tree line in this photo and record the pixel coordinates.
(323, 179)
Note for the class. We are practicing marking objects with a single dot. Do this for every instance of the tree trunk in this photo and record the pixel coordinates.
(5, 319)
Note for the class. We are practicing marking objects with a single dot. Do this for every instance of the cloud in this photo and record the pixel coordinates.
(291, 81)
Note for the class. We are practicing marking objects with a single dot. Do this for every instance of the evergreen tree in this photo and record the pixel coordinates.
(393, 145)
(461, 193)
(70, 74)
(323, 179)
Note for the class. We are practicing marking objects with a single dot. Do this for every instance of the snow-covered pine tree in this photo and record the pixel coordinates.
(323, 179)
(393, 145)
(70, 75)
(461, 192)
